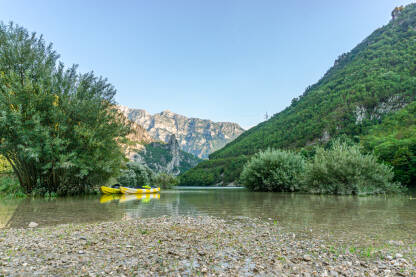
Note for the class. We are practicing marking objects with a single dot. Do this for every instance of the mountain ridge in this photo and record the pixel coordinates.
(196, 136)
(376, 78)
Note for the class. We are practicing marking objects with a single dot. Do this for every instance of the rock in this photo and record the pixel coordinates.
(307, 258)
(396, 243)
(398, 256)
(389, 258)
(81, 252)
(33, 225)
(333, 273)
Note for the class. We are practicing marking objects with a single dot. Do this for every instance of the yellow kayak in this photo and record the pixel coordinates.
(108, 190)
(138, 191)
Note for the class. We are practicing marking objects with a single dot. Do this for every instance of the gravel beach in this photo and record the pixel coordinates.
(187, 246)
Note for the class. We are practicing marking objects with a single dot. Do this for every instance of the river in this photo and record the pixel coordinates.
(374, 218)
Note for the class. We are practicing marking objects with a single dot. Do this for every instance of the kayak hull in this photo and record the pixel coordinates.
(127, 190)
(108, 190)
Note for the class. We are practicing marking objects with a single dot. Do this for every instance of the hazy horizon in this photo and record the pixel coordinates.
(228, 61)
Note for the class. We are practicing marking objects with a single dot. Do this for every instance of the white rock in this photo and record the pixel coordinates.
(33, 225)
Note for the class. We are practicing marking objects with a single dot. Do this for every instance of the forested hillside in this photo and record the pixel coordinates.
(394, 141)
(376, 78)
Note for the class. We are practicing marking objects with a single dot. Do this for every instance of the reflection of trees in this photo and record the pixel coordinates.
(62, 210)
(7, 208)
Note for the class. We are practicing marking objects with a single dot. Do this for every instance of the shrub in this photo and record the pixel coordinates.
(165, 181)
(136, 174)
(5, 167)
(343, 169)
(273, 170)
(10, 188)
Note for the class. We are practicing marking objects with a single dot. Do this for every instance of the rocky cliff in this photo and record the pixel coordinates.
(166, 157)
(199, 137)
(138, 138)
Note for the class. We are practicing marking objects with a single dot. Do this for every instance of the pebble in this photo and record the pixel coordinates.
(33, 225)
(333, 273)
(307, 258)
(396, 242)
(188, 246)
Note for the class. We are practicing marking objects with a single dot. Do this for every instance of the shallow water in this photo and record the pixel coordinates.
(358, 218)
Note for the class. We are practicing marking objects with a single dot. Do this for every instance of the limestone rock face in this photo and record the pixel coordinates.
(199, 137)
(138, 138)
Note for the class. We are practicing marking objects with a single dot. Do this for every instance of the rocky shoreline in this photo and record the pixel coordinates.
(187, 246)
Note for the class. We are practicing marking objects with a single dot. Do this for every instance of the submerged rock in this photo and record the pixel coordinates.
(33, 225)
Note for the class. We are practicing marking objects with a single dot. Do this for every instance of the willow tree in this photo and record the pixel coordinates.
(59, 129)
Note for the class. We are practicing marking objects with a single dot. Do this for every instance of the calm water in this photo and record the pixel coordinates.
(377, 218)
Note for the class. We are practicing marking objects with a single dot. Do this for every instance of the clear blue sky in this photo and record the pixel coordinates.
(225, 60)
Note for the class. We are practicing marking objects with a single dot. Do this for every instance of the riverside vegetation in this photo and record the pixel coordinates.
(138, 173)
(373, 84)
(341, 169)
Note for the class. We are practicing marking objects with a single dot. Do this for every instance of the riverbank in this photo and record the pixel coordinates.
(191, 246)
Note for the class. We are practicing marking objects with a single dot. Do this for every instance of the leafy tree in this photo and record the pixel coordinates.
(59, 129)
(273, 170)
(165, 181)
(136, 174)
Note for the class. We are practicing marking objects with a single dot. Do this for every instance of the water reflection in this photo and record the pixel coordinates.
(122, 198)
(378, 217)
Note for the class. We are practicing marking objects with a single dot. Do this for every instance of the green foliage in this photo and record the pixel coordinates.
(5, 167)
(165, 181)
(214, 172)
(59, 129)
(381, 69)
(10, 188)
(136, 174)
(273, 170)
(158, 155)
(394, 141)
(343, 169)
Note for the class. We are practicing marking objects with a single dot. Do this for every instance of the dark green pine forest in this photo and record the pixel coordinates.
(367, 95)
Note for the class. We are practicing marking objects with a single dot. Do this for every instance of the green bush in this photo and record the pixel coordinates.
(343, 169)
(10, 187)
(273, 170)
(5, 167)
(136, 174)
(165, 181)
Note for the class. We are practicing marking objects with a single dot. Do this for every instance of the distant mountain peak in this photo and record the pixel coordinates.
(196, 136)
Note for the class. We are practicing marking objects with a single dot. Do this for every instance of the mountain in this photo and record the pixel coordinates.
(166, 157)
(375, 79)
(199, 137)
